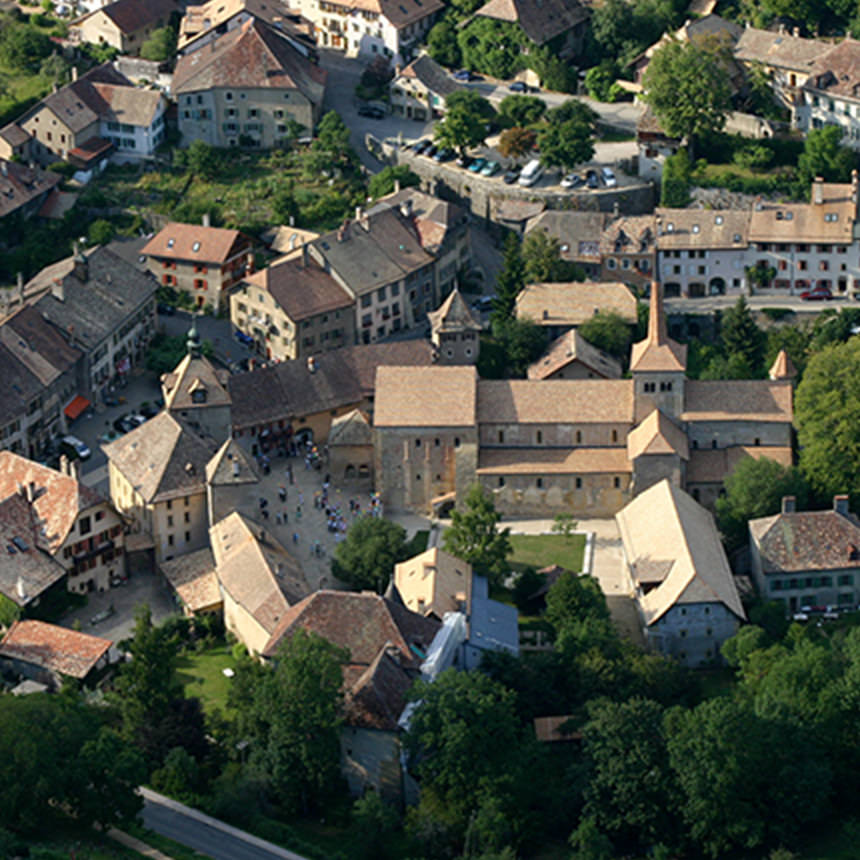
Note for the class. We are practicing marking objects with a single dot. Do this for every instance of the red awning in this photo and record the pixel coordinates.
(76, 407)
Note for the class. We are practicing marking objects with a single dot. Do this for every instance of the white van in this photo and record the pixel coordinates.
(531, 173)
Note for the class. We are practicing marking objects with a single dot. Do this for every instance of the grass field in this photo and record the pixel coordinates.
(201, 675)
(543, 550)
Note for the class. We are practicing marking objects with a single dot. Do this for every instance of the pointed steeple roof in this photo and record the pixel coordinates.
(231, 465)
(453, 315)
(782, 367)
(658, 352)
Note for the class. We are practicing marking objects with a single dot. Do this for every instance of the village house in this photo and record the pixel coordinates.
(66, 521)
(124, 25)
(579, 446)
(831, 93)
(683, 587)
(571, 356)
(807, 558)
(418, 91)
(246, 87)
(558, 308)
(98, 116)
(49, 654)
(200, 261)
(578, 234)
(102, 306)
(293, 309)
(371, 28)
(24, 189)
(202, 24)
(628, 251)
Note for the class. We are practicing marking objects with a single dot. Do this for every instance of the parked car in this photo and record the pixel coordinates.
(72, 447)
(591, 179)
(444, 154)
(124, 424)
(491, 168)
(148, 410)
(531, 173)
(431, 150)
(608, 177)
(478, 164)
(110, 400)
(518, 87)
(243, 338)
(166, 310)
(512, 174)
(483, 304)
(371, 111)
(421, 145)
(572, 180)
(465, 161)
(465, 75)
(137, 419)
(817, 294)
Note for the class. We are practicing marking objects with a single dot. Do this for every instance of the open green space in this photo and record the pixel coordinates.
(202, 676)
(543, 550)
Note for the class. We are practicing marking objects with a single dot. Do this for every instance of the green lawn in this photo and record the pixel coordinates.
(201, 675)
(543, 550)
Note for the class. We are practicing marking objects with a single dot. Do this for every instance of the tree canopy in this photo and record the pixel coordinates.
(160, 46)
(492, 47)
(516, 142)
(687, 86)
(365, 559)
(568, 137)
(824, 155)
(827, 414)
(475, 537)
(465, 122)
(610, 332)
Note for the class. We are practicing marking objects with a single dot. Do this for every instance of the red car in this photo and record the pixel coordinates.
(817, 294)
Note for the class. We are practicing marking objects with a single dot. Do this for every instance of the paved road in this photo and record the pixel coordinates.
(710, 304)
(206, 835)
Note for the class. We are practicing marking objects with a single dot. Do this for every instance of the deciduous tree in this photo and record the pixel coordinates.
(516, 142)
(466, 121)
(366, 558)
(609, 332)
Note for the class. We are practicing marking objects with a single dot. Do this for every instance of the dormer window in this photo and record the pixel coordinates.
(695, 228)
(718, 220)
(195, 246)
(670, 227)
(171, 243)
(830, 217)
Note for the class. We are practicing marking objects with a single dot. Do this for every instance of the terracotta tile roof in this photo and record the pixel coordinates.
(38, 345)
(129, 104)
(426, 70)
(91, 150)
(553, 461)
(402, 13)
(14, 135)
(177, 241)
(425, 397)
(541, 20)
(578, 233)
(571, 347)
(440, 581)
(782, 367)
(575, 401)
(363, 623)
(54, 648)
(350, 429)
(253, 55)
(664, 524)
(57, 204)
(302, 291)
(433, 219)
(702, 228)
(343, 377)
(714, 465)
(575, 303)
(287, 240)
(658, 352)
(517, 210)
(453, 315)
(837, 72)
(24, 573)
(630, 234)
(19, 185)
(779, 50)
(657, 434)
(202, 19)
(807, 540)
(131, 15)
(738, 400)
(376, 697)
(832, 220)
(255, 570)
(58, 498)
(194, 373)
(163, 458)
(193, 579)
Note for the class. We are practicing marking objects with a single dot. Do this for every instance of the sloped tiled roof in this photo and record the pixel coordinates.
(378, 695)
(553, 461)
(738, 400)
(162, 458)
(570, 347)
(657, 434)
(193, 578)
(782, 367)
(350, 429)
(572, 401)
(193, 373)
(54, 648)
(665, 526)
(20, 184)
(425, 69)
(831, 220)
(453, 315)
(779, 50)
(714, 465)
(178, 241)
(131, 15)
(432, 218)
(578, 232)
(658, 352)
(425, 397)
(342, 377)
(231, 466)
(541, 20)
(443, 581)
(575, 303)
(807, 540)
(723, 229)
(37, 344)
(253, 55)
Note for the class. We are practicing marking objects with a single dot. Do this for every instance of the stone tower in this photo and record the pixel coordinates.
(454, 331)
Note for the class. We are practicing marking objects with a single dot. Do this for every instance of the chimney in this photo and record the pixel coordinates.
(616, 210)
(305, 257)
(406, 208)
(73, 469)
(4, 167)
(206, 221)
(840, 504)
(20, 288)
(235, 469)
(74, 73)
(81, 266)
(19, 587)
(292, 221)
(64, 464)
(312, 364)
(262, 535)
(30, 490)
(789, 504)
(58, 291)
(358, 213)
(396, 186)
(818, 191)
(250, 264)
(795, 31)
